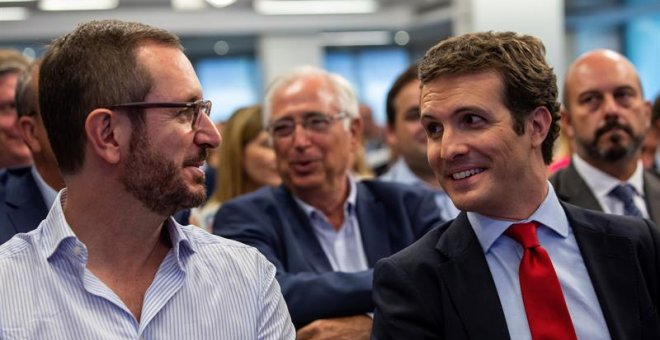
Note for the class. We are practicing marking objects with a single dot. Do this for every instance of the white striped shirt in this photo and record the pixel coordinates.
(207, 287)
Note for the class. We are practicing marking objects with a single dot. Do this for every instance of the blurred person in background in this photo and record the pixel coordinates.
(13, 151)
(245, 162)
(407, 138)
(30, 191)
(322, 228)
(651, 145)
(607, 118)
(376, 151)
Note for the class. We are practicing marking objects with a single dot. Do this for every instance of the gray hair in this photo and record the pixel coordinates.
(345, 96)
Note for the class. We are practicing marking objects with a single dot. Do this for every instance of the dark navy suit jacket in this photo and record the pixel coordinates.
(441, 286)
(22, 206)
(391, 216)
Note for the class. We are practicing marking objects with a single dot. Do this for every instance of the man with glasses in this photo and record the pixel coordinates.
(321, 228)
(125, 118)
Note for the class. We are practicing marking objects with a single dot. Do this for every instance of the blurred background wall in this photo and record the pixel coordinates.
(238, 46)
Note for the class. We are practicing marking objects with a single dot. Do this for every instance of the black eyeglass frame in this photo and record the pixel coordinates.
(198, 106)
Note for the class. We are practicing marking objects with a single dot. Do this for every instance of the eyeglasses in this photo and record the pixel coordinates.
(311, 121)
(190, 113)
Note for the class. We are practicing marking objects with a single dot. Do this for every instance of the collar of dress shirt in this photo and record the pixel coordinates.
(550, 214)
(57, 236)
(349, 204)
(601, 183)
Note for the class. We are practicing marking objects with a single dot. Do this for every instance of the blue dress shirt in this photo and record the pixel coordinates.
(207, 287)
(503, 255)
(343, 247)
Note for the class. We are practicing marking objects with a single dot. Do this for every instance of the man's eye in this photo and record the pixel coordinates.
(317, 122)
(433, 130)
(186, 114)
(472, 119)
(281, 127)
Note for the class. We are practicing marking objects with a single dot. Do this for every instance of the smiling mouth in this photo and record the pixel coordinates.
(466, 173)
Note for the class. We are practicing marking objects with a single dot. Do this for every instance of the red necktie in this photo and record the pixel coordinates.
(545, 306)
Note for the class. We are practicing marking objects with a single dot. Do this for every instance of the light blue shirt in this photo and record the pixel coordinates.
(207, 287)
(342, 247)
(47, 192)
(601, 184)
(401, 173)
(503, 255)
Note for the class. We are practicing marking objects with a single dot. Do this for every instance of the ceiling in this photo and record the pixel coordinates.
(239, 24)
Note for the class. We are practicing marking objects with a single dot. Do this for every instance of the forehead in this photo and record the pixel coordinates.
(173, 76)
(601, 73)
(447, 94)
(8, 81)
(303, 94)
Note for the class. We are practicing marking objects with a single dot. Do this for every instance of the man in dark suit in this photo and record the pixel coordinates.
(516, 263)
(607, 118)
(29, 191)
(322, 229)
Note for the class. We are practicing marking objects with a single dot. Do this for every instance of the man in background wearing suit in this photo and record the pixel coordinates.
(606, 117)
(29, 191)
(322, 229)
(516, 263)
(407, 138)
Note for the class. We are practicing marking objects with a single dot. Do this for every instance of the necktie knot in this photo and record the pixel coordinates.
(626, 193)
(524, 233)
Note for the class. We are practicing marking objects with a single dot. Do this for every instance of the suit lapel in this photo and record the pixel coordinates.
(652, 196)
(470, 283)
(610, 263)
(303, 231)
(25, 204)
(372, 218)
(575, 190)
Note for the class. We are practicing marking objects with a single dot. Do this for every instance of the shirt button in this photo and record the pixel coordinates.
(77, 250)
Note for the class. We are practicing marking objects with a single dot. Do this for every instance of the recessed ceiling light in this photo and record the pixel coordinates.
(220, 3)
(77, 5)
(14, 13)
(290, 7)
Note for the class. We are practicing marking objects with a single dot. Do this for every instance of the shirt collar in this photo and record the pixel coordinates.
(49, 194)
(550, 214)
(57, 235)
(349, 204)
(602, 183)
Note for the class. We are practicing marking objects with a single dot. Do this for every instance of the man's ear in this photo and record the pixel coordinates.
(565, 123)
(27, 126)
(390, 136)
(106, 132)
(540, 122)
(356, 129)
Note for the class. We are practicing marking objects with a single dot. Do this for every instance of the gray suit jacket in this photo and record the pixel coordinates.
(571, 188)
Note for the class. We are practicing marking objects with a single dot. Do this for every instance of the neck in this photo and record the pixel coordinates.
(118, 230)
(329, 200)
(50, 173)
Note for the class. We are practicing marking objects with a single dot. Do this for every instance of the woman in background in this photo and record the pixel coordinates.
(245, 162)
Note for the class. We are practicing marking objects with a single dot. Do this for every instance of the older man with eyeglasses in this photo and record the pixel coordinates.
(126, 121)
(323, 229)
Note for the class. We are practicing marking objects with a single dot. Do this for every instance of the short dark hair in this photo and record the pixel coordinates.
(529, 82)
(404, 78)
(27, 102)
(94, 66)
